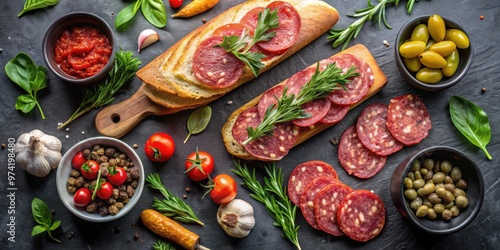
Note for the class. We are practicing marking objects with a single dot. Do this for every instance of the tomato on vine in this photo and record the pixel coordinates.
(199, 165)
(90, 170)
(175, 3)
(82, 197)
(105, 190)
(222, 189)
(159, 147)
(117, 175)
(78, 160)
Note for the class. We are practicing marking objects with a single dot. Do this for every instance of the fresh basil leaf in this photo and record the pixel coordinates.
(38, 229)
(21, 70)
(126, 14)
(30, 5)
(40, 81)
(471, 121)
(41, 212)
(55, 225)
(154, 11)
(198, 120)
(25, 103)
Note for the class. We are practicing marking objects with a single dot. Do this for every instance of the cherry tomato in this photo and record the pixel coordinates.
(78, 160)
(82, 197)
(199, 165)
(224, 189)
(105, 191)
(159, 147)
(117, 176)
(175, 3)
(90, 170)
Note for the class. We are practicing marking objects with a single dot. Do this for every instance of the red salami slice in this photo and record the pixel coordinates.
(270, 147)
(252, 17)
(305, 173)
(326, 205)
(335, 114)
(361, 215)
(408, 119)
(215, 67)
(308, 196)
(355, 158)
(372, 130)
(316, 109)
(232, 29)
(296, 81)
(269, 98)
(357, 88)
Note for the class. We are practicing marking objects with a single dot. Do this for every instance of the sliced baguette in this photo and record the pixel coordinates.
(235, 149)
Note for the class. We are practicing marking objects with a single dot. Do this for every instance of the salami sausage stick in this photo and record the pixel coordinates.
(167, 228)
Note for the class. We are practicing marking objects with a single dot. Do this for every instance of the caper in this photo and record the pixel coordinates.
(446, 166)
(431, 214)
(426, 202)
(415, 204)
(452, 62)
(441, 192)
(412, 176)
(422, 211)
(436, 167)
(418, 183)
(429, 176)
(449, 205)
(446, 214)
(434, 198)
(439, 208)
(436, 27)
(439, 185)
(429, 181)
(448, 197)
(428, 163)
(429, 75)
(418, 175)
(415, 166)
(455, 211)
(458, 192)
(410, 194)
(461, 201)
(458, 37)
(461, 184)
(420, 192)
(423, 171)
(428, 188)
(456, 174)
(408, 182)
(438, 177)
(447, 179)
(449, 187)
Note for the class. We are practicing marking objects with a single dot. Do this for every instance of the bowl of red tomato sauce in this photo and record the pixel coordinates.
(79, 48)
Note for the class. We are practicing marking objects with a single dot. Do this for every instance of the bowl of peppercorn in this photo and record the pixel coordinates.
(439, 189)
(79, 48)
(100, 179)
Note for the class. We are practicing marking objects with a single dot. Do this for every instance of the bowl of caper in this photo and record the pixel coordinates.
(438, 189)
(433, 53)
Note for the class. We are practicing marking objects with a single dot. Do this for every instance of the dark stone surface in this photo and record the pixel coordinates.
(59, 101)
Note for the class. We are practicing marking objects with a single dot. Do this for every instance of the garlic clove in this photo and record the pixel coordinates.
(146, 38)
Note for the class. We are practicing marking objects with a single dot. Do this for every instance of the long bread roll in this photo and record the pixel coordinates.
(171, 73)
(235, 149)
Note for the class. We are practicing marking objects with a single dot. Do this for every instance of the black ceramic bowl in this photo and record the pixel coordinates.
(465, 56)
(66, 23)
(474, 191)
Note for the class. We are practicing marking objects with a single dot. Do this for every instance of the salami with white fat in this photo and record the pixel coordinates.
(361, 215)
(303, 174)
(335, 114)
(327, 204)
(308, 197)
(357, 88)
(408, 119)
(372, 130)
(269, 98)
(355, 158)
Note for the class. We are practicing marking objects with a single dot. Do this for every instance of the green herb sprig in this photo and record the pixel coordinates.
(198, 120)
(99, 95)
(471, 121)
(273, 195)
(43, 216)
(153, 10)
(289, 106)
(372, 12)
(23, 71)
(172, 206)
(162, 245)
(30, 5)
(239, 46)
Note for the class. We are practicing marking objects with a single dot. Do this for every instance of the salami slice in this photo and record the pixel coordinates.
(270, 147)
(308, 197)
(335, 114)
(361, 215)
(372, 130)
(326, 205)
(252, 17)
(269, 98)
(357, 88)
(296, 81)
(305, 173)
(355, 158)
(232, 29)
(408, 119)
(316, 109)
(215, 67)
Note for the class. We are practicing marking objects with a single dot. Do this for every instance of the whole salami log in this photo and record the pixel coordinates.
(361, 215)
(326, 205)
(303, 174)
(309, 195)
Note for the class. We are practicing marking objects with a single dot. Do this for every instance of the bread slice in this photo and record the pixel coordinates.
(235, 149)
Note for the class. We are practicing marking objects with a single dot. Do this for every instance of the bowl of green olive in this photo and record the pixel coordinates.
(438, 189)
(433, 53)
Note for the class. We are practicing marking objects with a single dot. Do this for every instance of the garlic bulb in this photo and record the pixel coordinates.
(37, 152)
(236, 218)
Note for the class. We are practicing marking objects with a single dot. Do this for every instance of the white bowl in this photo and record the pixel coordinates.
(64, 170)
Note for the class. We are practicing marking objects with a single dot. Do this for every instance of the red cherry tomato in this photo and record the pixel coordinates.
(159, 147)
(90, 170)
(224, 189)
(199, 165)
(175, 3)
(82, 197)
(105, 191)
(78, 160)
(117, 176)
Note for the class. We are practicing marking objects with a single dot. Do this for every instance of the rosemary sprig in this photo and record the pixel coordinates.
(289, 108)
(99, 95)
(162, 245)
(273, 196)
(239, 46)
(372, 12)
(171, 206)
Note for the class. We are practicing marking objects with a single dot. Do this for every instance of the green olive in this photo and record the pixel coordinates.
(422, 211)
(441, 192)
(459, 192)
(420, 192)
(418, 183)
(432, 59)
(410, 194)
(415, 204)
(429, 175)
(456, 174)
(415, 166)
(448, 180)
(444, 48)
(412, 176)
(420, 33)
(423, 171)
(439, 185)
(448, 197)
(449, 205)
(438, 177)
(437, 28)
(428, 188)
(436, 166)
(434, 198)
(428, 163)
(439, 208)
(452, 62)
(455, 211)
(411, 49)
(408, 182)
(458, 37)
(449, 187)
(431, 214)
(426, 202)
(461, 201)
(446, 214)
(446, 166)
(428, 75)
(461, 184)
(429, 44)
(418, 175)
(412, 64)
